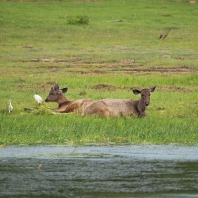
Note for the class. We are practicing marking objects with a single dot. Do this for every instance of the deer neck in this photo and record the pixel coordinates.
(141, 107)
(62, 101)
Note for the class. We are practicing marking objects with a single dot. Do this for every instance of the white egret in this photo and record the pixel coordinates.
(38, 98)
(10, 108)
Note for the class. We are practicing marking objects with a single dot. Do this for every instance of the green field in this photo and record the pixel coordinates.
(99, 49)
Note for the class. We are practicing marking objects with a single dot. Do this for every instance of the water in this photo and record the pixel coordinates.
(99, 171)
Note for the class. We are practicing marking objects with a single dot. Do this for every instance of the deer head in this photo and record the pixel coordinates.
(145, 95)
(56, 94)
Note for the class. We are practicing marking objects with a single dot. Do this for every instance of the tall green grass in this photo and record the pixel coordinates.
(75, 130)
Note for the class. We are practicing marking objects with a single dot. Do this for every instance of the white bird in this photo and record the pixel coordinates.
(10, 108)
(38, 98)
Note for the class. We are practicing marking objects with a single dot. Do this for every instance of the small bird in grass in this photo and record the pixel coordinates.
(38, 98)
(10, 108)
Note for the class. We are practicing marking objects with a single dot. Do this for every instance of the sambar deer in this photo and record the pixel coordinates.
(121, 107)
(64, 105)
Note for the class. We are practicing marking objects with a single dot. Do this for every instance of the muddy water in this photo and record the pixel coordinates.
(99, 171)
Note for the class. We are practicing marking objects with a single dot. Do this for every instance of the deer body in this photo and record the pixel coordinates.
(120, 107)
(64, 105)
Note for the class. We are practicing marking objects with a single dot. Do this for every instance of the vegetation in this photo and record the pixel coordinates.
(78, 20)
(98, 49)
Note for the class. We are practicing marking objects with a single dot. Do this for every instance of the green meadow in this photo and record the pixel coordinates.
(98, 49)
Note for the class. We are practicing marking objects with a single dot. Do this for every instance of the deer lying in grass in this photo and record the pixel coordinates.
(64, 105)
(121, 107)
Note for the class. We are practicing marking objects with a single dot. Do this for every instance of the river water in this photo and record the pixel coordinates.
(99, 171)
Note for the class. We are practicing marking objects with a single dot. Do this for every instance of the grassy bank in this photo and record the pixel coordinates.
(75, 130)
(115, 50)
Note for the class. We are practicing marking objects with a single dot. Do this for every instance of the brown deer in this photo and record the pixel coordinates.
(64, 105)
(121, 107)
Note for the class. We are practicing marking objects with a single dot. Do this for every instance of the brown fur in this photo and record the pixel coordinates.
(121, 107)
(64, 105)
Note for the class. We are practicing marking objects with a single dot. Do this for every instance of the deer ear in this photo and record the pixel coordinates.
(152, 89)
(136, 92)
(64, 90)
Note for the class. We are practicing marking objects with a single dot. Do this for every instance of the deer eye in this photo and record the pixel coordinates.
(142, 95)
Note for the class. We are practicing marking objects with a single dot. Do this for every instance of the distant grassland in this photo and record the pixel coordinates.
(117, 49)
